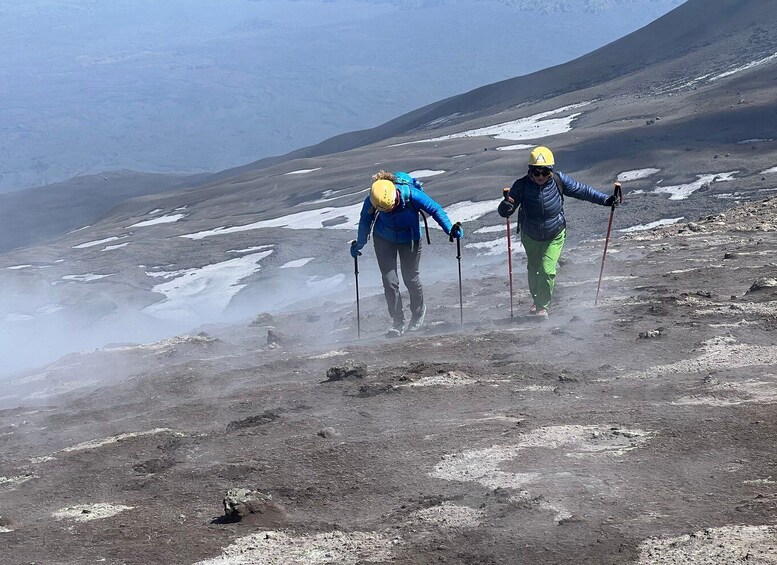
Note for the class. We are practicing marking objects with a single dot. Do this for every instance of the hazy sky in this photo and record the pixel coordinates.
(203, 85)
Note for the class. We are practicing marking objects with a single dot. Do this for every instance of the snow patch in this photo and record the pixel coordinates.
(208, 288)
(495, 247)
(424, 173)
(249, 249)
(118, 246)
(517, 147)
(323, 284)
(307, 220)
(637, 174)
(769, 171)
(491, 229)
(651, 225)
(16, 267)
(683, 191)
(531, 127)
(95, 242)
(302, 171)
(744, 67)
(160, 220)
(296, 263)
(467, 211)
(84, 278)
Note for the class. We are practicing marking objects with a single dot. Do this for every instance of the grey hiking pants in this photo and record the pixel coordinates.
(409, 260)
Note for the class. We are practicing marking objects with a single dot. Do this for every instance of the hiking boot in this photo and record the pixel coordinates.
(417, 321)
(540, 314)
(533, 309)
(397, 329)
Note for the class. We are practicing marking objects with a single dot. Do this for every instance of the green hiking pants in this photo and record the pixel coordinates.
(541, 262)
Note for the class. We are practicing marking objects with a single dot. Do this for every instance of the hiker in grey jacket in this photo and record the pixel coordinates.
(539, 195)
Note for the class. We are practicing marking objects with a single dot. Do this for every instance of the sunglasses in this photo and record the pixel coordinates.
(540, 172)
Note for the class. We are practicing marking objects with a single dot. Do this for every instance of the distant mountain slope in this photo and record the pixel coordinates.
(181, 86)
(699, 37)
(32, 216)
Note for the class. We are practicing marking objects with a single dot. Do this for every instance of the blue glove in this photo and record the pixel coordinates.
(457, 232)
(355, 247)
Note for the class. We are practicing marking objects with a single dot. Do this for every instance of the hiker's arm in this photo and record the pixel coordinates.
(426, 204)
(508, 205)
(580, 190)
(366, 219)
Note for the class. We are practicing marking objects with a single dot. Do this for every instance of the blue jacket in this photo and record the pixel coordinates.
(542, 208)
(402, 224)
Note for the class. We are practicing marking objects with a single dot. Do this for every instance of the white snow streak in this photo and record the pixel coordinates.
(95, 242)
(424, 173)
(637, 174)
(84, 278)
(651, 225)
(296, 263)
(206, 289)
(308, 220)
(531, 127)
(683, 191)
(160, 220)
(302, 171)
(744, 67)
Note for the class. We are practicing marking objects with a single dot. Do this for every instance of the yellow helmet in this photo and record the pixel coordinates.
(541, 157)
(383, 195)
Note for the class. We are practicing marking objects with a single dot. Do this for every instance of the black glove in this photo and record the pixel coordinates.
(612, 201)
(506, 207)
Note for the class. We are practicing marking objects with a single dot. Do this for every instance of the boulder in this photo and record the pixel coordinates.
(348, 370)
(240, 503)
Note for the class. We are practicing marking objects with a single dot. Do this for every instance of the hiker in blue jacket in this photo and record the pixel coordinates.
(391, 211)
(539, 196)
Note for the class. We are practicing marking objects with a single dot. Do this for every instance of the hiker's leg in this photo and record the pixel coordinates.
(546, 280)
(386, 252)
(410, 261)
(534, 253)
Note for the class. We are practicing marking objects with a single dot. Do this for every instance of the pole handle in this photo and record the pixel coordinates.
(617, 192)
(450, 234)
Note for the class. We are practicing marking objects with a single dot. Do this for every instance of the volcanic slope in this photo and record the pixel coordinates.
(637, 431)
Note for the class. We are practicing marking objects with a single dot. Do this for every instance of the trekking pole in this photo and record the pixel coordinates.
(356, 274)
(618, 199)
(505, 192)
(458, 258)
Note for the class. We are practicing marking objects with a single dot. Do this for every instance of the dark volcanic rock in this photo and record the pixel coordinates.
(263, 319)
(348, 370)
(253, 421)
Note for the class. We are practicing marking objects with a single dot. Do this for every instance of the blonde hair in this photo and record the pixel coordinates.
(384, 175)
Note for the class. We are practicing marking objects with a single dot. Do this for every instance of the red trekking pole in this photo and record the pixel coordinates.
(618, 199)
(505, 192)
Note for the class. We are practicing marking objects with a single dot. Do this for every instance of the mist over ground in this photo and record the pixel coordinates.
(183, 86)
